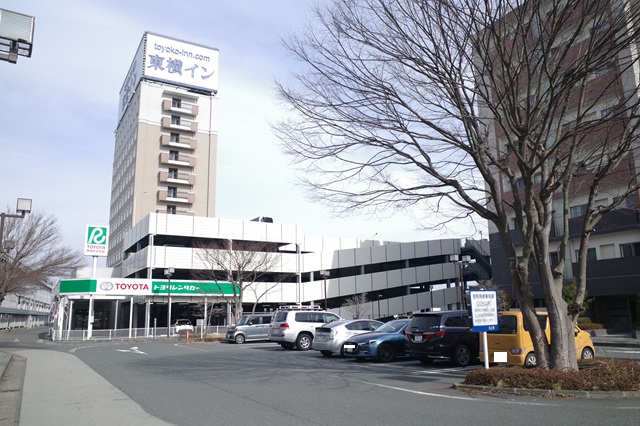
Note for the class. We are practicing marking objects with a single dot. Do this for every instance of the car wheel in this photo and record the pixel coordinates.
(240, 339)
(385, 353)
(426, 360)
(462, 356)
(587, 353)
(326, 353)
(304, 342)
(287, 346)
(530, 360)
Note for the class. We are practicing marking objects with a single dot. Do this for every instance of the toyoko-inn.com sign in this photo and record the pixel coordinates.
(96, 240)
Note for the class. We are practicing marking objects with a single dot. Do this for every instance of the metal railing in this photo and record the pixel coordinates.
(133, 333)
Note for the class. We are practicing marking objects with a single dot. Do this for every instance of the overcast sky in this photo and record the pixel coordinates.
(60, 107)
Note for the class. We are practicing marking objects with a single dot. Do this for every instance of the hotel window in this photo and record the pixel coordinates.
(172, 192)
(174, 156)
(175, 120)
(176, 103)
(578, 211)
(173, 173)
(171, 209)
(174, 137)
(630, 249)
(591, 255)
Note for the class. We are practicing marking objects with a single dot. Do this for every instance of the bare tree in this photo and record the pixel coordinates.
(357, 305)
(504, 110)
(36, 255)
(247, 266)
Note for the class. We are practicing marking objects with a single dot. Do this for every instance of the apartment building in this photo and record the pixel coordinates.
(591, 123)
(166, 140)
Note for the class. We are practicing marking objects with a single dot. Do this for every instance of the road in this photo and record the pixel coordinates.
(262, 384)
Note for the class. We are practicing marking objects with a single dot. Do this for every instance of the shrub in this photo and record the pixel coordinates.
(590, 326)
(593, 375)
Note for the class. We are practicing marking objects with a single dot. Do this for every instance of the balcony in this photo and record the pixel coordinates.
(184, 108)
(182, 124)
(176, 197)
(177, 160)
(181, 178)
(182, 142)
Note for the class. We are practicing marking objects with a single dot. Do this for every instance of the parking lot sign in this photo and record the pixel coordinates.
(484, 310)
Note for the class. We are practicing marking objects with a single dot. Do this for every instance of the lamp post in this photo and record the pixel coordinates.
(460, 261)
(379, 314)
(325, 274)
(23, 207)
(167, 273)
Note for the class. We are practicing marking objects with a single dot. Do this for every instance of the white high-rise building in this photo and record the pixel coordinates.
(166, 140)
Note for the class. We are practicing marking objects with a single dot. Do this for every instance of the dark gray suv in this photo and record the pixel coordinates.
(442, 335)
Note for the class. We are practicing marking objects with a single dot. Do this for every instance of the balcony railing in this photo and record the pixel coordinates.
(176, 197)
(184, 108)
(178, 160)
(185, 125)
(180, 178)
(182, 142)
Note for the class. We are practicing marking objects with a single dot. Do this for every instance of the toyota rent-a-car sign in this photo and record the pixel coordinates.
(96, 240)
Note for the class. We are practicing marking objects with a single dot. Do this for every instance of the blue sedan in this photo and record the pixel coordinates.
(384, 344)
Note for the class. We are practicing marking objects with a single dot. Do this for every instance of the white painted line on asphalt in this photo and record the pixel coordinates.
(81, 347)
(463, 398)
(134, 350)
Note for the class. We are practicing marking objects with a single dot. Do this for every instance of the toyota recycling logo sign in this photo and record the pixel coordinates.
(96, 240)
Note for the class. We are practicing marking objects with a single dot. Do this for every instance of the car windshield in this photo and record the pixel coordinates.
(183, 322)
(243, 320)
(392, 326)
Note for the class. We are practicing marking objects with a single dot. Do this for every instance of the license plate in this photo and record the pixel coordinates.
(349, 347)
(417, 338)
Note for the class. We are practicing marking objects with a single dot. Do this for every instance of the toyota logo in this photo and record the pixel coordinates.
(106, 286)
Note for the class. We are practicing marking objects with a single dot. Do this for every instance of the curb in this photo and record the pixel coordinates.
(5, 359)
(551, 392)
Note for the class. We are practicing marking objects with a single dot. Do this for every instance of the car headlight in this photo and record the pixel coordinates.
(370, 342)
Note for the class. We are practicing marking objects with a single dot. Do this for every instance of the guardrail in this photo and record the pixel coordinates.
(126, 333)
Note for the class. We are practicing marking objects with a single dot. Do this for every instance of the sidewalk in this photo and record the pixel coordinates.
(60, 389)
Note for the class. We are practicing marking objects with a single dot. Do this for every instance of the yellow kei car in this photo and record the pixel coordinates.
(513, 338)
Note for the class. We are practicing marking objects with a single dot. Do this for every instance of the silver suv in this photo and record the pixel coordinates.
(296, 325)
(250, 327)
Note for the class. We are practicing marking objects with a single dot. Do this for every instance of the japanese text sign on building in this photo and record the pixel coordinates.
(484, 310)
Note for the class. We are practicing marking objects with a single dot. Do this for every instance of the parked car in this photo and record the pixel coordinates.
(250, 327)
(513, 339)
(330, 337)
(182, 325)
(295, 326)
(384, 344)
(442, 335)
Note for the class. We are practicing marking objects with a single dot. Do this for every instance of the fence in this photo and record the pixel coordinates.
(133, 333)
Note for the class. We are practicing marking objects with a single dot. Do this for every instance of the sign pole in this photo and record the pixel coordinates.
(486, 351)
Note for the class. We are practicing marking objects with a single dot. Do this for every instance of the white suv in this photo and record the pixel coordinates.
(296, 325)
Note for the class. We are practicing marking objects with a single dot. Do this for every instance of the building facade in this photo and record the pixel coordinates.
(587, 126)
(166, 139)
(395, 278)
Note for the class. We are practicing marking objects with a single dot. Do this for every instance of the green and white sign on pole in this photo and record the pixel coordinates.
(96, 240)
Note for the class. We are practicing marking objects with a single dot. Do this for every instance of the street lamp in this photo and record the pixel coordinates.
(23, 207)
(325, 274)
(167, 273)
(460, 261)
(379, 314)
